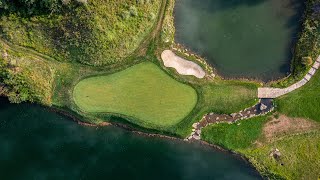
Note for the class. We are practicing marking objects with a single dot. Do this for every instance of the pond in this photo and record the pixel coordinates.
(241, 38)
(37, 143)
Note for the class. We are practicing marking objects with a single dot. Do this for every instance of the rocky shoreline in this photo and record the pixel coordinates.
(263, 107)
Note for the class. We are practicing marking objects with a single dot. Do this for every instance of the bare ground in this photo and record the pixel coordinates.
(284, 125)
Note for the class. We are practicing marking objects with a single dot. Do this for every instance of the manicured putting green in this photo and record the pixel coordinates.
(143, 92)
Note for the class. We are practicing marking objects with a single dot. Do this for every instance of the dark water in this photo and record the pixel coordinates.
(38, 144)
(241, 38)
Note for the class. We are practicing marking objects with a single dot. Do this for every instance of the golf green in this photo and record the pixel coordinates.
(143, 92)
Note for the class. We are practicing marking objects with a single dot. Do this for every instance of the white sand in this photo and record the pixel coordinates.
(183, 67)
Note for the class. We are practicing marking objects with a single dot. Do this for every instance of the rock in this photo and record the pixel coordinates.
(217, 118)
(263, 107)
(198, 131)
(195, 125)
(233, 115)
(196, 137)
(276, 154)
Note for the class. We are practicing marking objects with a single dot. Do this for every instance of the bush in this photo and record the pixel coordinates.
(307, 61)
(133, 11)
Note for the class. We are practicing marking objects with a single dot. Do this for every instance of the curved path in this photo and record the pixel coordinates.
(264, 106)
(277, 92)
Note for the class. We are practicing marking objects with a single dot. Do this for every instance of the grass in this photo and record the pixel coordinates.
(102, 32)
(300, 153)
(36, 75)
(303, 102)
(300, 156)
(235, 136)
(143, 91)
(226, 97)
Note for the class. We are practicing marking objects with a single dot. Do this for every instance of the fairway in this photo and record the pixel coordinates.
(143, 92)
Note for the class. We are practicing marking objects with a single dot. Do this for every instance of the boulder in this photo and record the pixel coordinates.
(263, 107)
(276, 154)
(233, 115)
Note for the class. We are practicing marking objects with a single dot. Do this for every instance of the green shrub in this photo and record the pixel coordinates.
(307, 61)
(133, 11)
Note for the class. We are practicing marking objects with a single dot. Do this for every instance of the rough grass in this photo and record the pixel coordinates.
(300, 156)
(300, 153)
(35, 73)
(235, 136)
(143, 91)
(99, 33)
(304, 102)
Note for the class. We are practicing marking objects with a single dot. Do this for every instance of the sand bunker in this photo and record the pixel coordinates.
(183, 67)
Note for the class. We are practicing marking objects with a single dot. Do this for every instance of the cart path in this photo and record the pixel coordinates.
(277, 92)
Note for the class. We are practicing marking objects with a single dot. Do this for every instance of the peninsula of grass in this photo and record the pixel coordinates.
(143, 92)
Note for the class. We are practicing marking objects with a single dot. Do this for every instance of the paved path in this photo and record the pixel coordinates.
(277, 92)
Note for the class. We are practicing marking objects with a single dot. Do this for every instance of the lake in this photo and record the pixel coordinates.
(37, 143)
(241, 38)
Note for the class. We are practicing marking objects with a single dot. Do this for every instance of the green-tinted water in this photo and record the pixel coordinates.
(241, 38)
(39, 144)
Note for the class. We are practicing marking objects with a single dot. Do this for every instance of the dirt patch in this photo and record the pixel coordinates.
(284, 125)
(183, 67)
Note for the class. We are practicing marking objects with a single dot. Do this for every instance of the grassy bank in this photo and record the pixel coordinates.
(303, 102)
(237, 136)
(307, 47)
(98, 33)
(300, 155)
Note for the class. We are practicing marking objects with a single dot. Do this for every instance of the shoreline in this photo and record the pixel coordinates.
(180, 47)
(74, 118)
